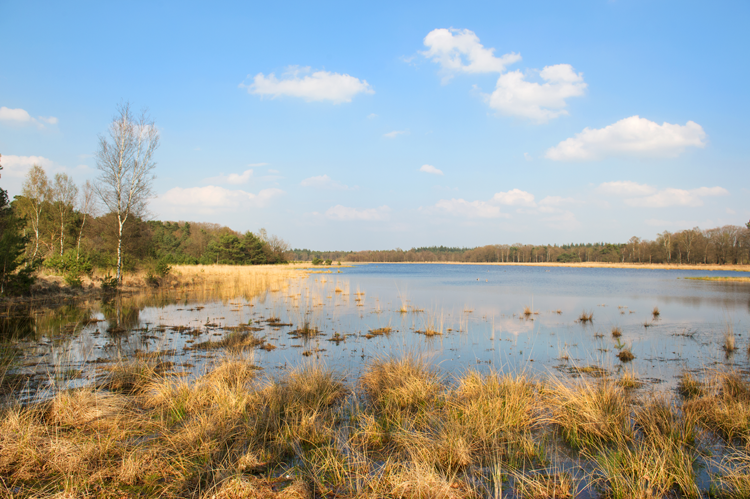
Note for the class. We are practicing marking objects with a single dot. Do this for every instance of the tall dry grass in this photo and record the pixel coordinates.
(403, 429)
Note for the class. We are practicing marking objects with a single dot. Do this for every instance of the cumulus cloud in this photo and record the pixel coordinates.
(395, 133)
(22, 117)
(310, 86)
(323, 182)
(232, 178)
(430, 169)
(625, 188)
(459, 51)
(557, 201)
(17, 115)
(630, 137)
(347, 214)
(469, 209)
(514, 197)
(212, 199)
(676, 197)
(17, 166)
(514, 95)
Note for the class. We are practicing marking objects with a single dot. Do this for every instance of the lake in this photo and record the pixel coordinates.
(508, 318)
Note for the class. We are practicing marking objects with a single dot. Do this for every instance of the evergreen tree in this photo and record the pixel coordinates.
(15, 273)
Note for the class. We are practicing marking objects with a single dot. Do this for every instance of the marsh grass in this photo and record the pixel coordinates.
(655, 313)
(432, 324)
(586, 317)
(590, 413)
(404, 429)
(625, 354)
(531, 485)
(616, 331)
(729, 344)
(721, 406)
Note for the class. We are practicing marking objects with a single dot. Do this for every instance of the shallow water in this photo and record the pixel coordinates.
(479, 309)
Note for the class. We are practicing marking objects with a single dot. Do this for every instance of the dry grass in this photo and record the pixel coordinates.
(586, 316)
(404, 430)
(655, 313)
(729, 345)
(616, 331)
(722, 405)
(589, 414)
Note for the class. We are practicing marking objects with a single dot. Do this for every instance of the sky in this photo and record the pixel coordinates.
(354, 125)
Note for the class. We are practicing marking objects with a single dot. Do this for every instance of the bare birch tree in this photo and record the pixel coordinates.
(125, 160)
(35, 193)
(87, 204)
(64, 193)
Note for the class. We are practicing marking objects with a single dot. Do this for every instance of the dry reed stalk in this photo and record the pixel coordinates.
(590, 413)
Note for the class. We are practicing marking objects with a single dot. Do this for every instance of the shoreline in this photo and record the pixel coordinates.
(640, 266)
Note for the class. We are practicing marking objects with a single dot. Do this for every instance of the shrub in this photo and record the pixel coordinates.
(109, 283)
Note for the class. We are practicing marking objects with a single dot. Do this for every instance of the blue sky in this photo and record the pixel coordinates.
(372, 126)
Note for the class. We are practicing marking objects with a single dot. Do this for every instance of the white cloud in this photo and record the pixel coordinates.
(371, 116)
(212, 199)
(557, 201)
(395, 133)
(515, 96)
(17, 166)
(22, 117)
(631, 137)
(323, 182)
(344, 213)
(318, 86)
(527, 157)
(17, 115)
(469, 209)
(430, 169)
(459, 50)
(625, 188)
(676, 197)
(232, 178)
(514, 197)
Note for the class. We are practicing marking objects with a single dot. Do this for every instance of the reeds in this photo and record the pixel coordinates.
(586, 317)
(655, 313)
(616, 331)
(729, 345)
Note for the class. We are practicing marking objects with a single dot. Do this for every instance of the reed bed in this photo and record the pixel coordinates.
(403, 429)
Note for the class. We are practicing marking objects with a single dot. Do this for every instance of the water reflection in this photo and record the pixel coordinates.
(461, 316)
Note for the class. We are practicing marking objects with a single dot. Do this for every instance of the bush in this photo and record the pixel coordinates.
(109, 283)
(162, 268)
(317, 261)
(73, 280)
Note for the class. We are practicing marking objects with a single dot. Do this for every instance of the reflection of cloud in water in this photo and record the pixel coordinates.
(514, 326)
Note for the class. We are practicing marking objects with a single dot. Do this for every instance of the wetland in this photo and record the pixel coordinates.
(387, 380)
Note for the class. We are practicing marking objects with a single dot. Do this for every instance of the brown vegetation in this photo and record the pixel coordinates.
(404, 430)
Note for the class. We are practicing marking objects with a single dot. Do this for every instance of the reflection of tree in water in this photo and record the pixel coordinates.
(27, 322)
(16, 323)
(122, 316)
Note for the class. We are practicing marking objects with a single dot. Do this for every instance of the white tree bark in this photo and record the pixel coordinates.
(125, 162)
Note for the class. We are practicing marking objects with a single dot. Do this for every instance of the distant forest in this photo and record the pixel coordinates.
(722, 245)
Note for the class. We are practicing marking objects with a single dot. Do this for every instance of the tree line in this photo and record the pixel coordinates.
(73, 229)
(725, 245)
